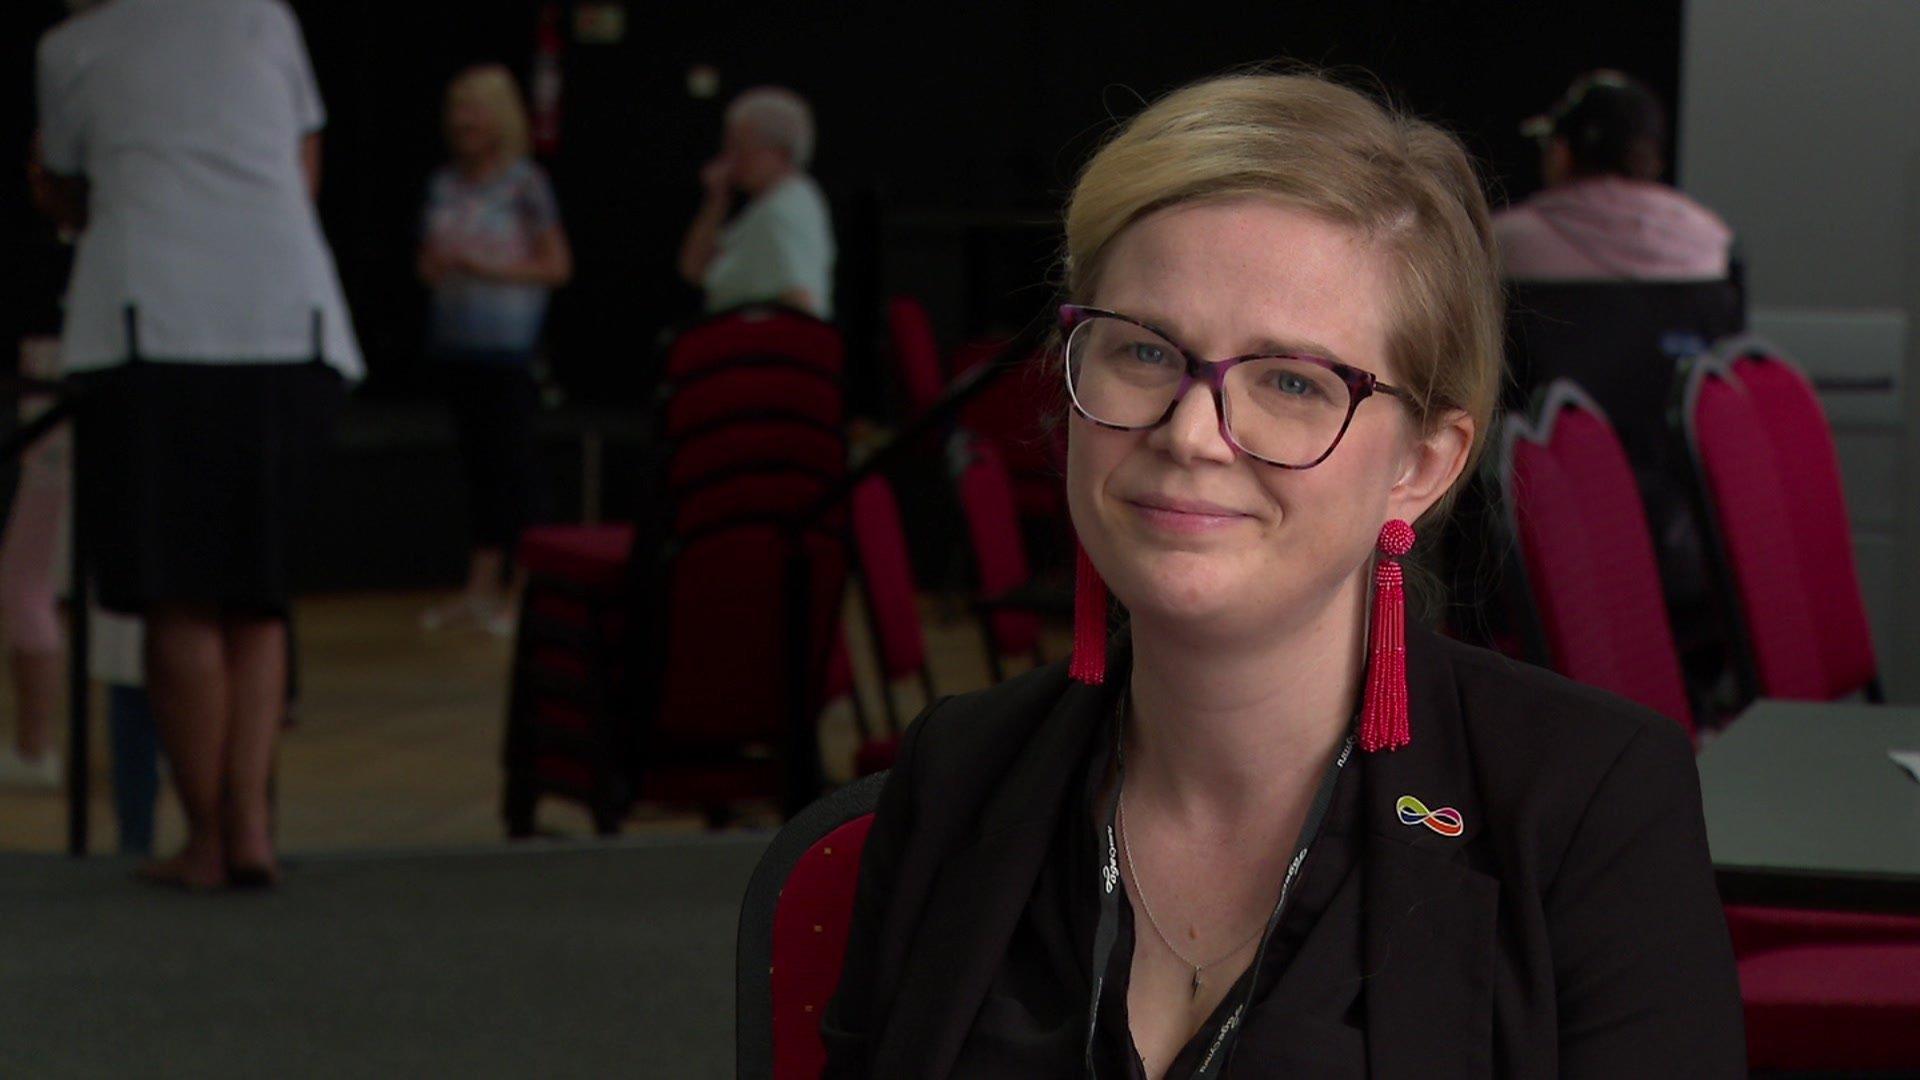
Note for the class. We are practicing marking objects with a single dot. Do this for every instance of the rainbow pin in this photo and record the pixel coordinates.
(1446, 821)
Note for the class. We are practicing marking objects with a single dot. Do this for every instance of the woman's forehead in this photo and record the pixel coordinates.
(1242, 275)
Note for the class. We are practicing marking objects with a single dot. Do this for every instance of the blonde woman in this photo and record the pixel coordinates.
(492, 249)
(1273, 829)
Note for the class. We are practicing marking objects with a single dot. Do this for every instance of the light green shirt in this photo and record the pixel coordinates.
(782, 241)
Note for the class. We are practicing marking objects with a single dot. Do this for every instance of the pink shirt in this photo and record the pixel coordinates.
(1612, 229)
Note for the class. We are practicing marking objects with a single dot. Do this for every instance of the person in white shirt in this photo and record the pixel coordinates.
(780, 246)
(206, 325)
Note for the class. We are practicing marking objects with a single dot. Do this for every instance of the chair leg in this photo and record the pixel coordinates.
(518, 807)
(995, 670)
(606, 820)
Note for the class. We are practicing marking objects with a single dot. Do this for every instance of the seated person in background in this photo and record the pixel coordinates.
(1604, 214)
(780, 246)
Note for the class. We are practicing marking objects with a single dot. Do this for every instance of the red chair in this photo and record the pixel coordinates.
(793, 934)
(1739, 484)
(1833, 1008)
(756, 334)
(1574, 510)
(722, 713)
(1018, 415)
(1791, 415)
(893, 610)
(916, 353)
(1000, 557)
(768, 392)
(731, 444)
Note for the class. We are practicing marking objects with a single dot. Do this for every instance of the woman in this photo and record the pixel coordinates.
(492, 250)
(207, 330)
(1178, 862)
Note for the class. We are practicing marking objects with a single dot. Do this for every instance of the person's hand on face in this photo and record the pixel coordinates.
(717, 176)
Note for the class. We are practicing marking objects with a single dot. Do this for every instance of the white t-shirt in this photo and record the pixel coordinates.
(186, 118)
(782, 241)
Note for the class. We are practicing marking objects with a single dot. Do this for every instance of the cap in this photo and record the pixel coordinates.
(1601, 108)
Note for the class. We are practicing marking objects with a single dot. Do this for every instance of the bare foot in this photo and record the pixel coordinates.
(251, 862)
(185, 872)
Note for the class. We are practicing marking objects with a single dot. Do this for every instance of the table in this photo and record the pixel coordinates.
(1805, 809)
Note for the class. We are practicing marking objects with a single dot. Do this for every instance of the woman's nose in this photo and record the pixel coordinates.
(1195, 431)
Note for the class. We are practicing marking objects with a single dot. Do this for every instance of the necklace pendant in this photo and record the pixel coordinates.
(1196, 982)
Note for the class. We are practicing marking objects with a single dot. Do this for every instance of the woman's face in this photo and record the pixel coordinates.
(1185, 528)
(472, 133)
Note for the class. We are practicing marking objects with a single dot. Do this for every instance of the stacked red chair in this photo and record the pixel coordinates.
(626, 629)
(916, 353)
(1574, 510)
(794, 923)
(1022, 415)
(1010, 626)
(893, 612)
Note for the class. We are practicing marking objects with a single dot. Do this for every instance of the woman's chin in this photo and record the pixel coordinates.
(1184, 589)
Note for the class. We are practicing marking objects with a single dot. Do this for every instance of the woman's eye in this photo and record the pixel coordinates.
(1288, 382)
(1148, 353)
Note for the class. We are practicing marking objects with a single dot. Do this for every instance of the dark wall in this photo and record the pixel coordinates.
(947, 140)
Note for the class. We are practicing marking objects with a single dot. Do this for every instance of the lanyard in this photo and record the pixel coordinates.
(1107, 930)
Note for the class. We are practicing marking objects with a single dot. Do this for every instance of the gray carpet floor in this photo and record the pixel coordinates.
(541, 961)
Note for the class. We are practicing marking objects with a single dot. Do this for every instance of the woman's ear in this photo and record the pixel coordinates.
(1433, 462)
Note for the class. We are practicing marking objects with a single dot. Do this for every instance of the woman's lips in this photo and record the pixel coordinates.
(1185, 515)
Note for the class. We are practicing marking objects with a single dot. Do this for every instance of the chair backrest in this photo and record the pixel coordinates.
(1573, 509)
(794, 923)
(748, 493)
(916, 351)
(1015, 412)
(886, 571)
(1776, 650)
(1620, 342)
(755, 391)
(758, 333)
(753, 442)
(1809, 467)
(999, 551)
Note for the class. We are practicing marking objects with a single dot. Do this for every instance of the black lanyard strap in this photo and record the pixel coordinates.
(1107, 931)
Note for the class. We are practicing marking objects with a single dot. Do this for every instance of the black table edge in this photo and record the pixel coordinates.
(1826, 890)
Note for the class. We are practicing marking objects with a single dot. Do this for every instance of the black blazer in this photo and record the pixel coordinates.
(1571, 930)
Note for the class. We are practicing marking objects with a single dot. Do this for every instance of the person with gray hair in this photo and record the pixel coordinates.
(780, 246)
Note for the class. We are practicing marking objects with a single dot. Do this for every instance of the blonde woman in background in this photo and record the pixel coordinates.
(492, 249)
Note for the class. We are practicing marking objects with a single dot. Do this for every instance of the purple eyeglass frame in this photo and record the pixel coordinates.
(1361, 384)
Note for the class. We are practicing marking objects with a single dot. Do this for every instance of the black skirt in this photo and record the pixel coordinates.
(191, 479)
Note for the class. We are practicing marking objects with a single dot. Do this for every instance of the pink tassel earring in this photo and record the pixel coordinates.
(1383, 711)
(1089, 664)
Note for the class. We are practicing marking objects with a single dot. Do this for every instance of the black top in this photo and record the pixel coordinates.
(1568, 928)
(1033, 1018)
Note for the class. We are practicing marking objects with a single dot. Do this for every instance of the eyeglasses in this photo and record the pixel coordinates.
(1286, 410)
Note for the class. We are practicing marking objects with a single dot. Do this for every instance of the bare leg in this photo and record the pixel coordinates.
(483, 578)
(188, 686)
(36, 681)
(481, 598)
(256, 651)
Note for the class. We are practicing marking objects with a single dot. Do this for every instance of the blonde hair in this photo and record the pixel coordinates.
(492, 87)
(1335, 152)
